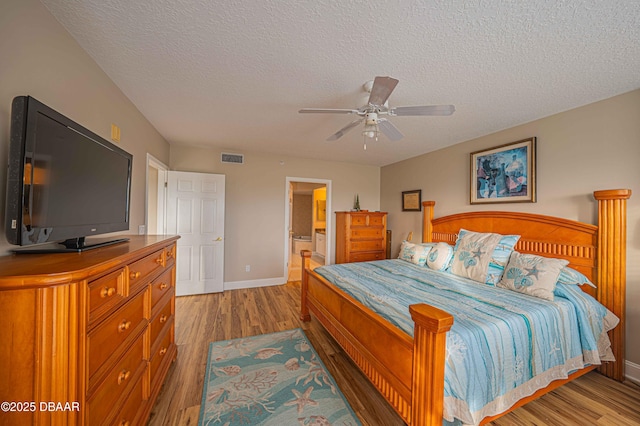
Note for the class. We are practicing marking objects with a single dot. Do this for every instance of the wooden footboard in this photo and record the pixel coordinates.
(408, 372)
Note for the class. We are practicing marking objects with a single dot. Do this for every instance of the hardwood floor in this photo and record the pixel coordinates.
(590, 400)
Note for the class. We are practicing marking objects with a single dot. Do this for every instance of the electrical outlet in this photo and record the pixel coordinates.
(141, 230)
(247, 268)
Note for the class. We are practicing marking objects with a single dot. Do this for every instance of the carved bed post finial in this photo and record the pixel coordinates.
(427, 218)
(612, 259)
(304, 308)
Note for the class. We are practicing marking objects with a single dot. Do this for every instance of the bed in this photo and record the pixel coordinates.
(409, 370)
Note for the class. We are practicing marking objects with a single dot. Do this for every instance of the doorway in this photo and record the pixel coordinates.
(307, 223)
(192, 206)
(156, 193)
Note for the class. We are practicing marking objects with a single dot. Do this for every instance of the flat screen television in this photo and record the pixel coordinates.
(64, 183)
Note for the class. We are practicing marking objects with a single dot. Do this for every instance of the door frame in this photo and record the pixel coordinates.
(328, 227)
(161, 216)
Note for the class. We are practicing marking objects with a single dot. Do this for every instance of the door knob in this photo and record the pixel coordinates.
(218, 239)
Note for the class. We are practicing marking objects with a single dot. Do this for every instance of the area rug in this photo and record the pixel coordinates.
(271, 379)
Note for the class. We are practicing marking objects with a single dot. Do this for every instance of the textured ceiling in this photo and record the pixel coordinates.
(232, 74)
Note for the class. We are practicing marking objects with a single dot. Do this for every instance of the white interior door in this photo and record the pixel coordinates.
(195, 211)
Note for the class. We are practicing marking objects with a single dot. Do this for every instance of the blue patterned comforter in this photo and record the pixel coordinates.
(503, 345)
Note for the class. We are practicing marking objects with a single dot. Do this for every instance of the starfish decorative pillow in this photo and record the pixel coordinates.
(531, 274)
(482, 256)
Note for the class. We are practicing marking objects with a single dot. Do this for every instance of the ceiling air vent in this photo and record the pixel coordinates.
(233, 158)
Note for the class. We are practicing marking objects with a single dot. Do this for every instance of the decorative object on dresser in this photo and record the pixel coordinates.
(504, 174)
(360, 236)
(356, 204)
(95, 329)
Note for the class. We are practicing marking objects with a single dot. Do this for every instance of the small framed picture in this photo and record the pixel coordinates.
(504, 174)
(412, 200)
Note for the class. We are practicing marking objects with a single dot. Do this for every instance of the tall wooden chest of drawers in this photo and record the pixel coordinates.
(87, 338)
(360, 236)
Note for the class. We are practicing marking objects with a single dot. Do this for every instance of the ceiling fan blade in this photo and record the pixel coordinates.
(382, 88)
(389, 130)
(423, 110)
(328, 111)
(340, 133)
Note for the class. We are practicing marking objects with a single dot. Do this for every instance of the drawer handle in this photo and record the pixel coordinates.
(163, 319)
(124, 375)
(123, 326)
(125, 423)
(107, 292)
(134, 275)
(162, 286)
(159, 260)
(170, 253)
(162, 351)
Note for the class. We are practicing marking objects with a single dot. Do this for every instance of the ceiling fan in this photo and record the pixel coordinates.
(376, 108)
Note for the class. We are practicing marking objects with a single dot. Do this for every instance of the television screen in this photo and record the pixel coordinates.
(65, 183)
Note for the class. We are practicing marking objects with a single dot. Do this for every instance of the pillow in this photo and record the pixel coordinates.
(414, 253)
(532, 275)
(440, 256)
(572, 277)
(482, 256)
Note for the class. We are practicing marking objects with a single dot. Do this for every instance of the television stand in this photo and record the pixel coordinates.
(72, 245)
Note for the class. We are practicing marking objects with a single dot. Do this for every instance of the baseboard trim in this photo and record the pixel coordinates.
(632, 372)
(266, 282)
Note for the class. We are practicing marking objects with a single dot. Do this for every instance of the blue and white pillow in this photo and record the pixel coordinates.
(572, 277)
(531, 274)
(414, 253)
(482, 256)
(440, 256)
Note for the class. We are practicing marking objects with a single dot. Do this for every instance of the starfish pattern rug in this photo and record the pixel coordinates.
(271, 379)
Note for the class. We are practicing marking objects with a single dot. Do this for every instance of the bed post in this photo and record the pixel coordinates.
(304, 307)
(611, 278)
(429, 354)
(427, 218)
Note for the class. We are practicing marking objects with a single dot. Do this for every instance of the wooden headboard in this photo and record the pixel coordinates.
(599, 252)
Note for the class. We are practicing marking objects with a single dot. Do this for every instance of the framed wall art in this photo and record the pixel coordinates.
(504, 174)
(412, 200)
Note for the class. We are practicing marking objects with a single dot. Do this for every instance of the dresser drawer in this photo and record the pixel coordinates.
(106, 394)
(124, 324)
(161, 355)
(106, 293)
(366, 245)
(367, 233)
(367, 220)
(170, 255)
(140, 270)
(130, 413)
(161, 286)
(366, 256)
(160, 321)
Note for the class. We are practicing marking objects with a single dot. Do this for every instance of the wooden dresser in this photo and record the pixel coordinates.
(360, 236)
(87, 338)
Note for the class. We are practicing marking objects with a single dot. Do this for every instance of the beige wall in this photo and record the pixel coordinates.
(39, 58)
(589, 148)
(256, 196)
